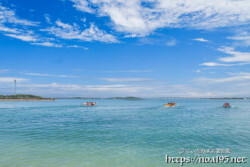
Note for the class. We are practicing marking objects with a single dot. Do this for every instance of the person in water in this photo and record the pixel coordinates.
(90, 103)
(226, 105)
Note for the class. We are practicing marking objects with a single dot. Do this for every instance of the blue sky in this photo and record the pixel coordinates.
(104, 48)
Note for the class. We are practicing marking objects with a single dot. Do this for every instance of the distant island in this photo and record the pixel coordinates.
(119, 98)
(24, 97)
(212, 98)
(127, 98)
(162, 98)
(28, 97)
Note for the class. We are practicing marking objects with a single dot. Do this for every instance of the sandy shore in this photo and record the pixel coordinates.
(43, 99)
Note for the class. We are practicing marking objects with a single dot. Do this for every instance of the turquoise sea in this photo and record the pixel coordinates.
(120, 133)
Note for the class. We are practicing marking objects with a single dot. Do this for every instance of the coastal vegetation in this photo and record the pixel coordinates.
(121, 98)
(20, 96)
(24, 97)
(162, 98)
(127, 98)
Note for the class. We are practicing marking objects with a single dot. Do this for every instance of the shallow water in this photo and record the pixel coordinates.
(119, 133)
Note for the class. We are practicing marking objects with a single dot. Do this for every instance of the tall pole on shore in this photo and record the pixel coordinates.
(15, 86)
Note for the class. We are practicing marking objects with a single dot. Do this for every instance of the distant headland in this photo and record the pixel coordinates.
(24, 97)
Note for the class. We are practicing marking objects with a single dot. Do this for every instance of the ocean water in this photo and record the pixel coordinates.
(120, 133)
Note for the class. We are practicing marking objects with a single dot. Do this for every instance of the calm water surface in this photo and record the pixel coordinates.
(119, 133)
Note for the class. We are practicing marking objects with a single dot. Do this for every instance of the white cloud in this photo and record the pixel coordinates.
(34, 39)
(213, 64)
(8, 16)
(131, 36)
(7, 29)
(77, 46)
(243, 38)
(134, 17)
(67, 31)
(47, 18)
(159, 40)
(48, 44)
(84, 20)
(206, 87)
(127, 79)
(3, 70)
(64, 25)
(18, 28)
(232, 79)
(171, 43)
(23, 37)
(201, 40)
(68, 90)
(30, 36)
(49, 75)
(135, 71)
(15, 27)
(83, 5)
(194, 90)
(241, 73)
(224, 80)
(11, 79)
(237, 56)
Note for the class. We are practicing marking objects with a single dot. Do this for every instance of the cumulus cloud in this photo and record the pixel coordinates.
(143, 17)
(67, 31)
